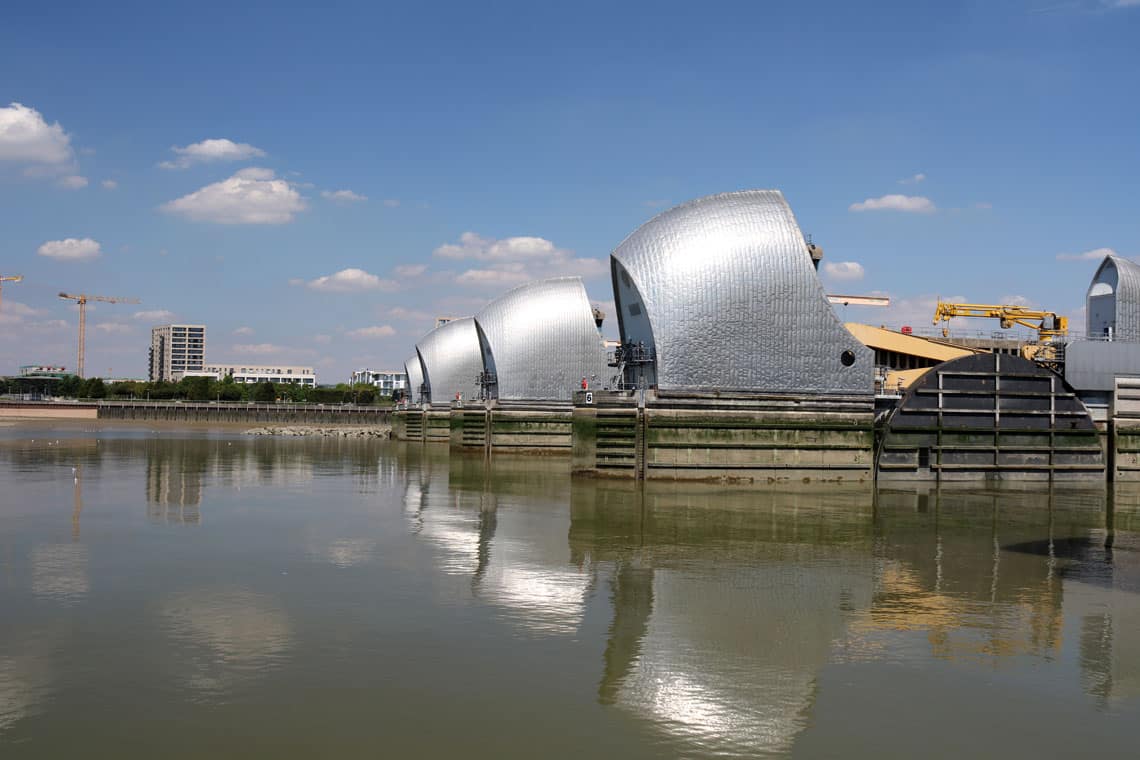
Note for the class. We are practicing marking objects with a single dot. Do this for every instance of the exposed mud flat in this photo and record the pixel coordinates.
(371, 431)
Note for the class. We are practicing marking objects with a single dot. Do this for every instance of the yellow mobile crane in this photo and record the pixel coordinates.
(1051, 328)
(1048, 324)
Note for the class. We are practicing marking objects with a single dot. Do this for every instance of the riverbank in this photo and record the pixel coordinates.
(17, 426)
(196, 412)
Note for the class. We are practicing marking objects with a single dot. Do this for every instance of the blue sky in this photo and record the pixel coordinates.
(482, 145)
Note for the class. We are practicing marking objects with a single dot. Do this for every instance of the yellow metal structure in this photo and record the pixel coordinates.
(9, 278)
(82, 300)
(880, 338)
(1047, 324)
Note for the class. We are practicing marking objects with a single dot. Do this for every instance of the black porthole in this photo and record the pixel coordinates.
(847, 357)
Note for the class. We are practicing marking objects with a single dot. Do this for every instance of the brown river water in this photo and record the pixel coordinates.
(203, 594)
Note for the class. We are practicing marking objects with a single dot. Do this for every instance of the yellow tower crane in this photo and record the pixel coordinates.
(9, 278)
(82, 300)
(1048, 325)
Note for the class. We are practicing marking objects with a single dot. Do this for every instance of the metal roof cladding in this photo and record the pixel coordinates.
(540, 340)
(1113, 300)
(734, 302)
(451, 361)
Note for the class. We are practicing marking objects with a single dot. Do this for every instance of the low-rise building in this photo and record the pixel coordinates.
(44, 370)
(253, 373)
(386, 381)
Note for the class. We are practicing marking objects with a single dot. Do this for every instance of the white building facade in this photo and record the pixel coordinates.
(176, 350)
(254, 373)
(386, 381)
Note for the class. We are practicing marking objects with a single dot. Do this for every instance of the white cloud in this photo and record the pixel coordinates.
(1015, 300)
(915, 204)
(1096, 254)
(70, 249)
(109, 184)
(27, 138)
(843, 270)
(343, 196)
(410, 270)
(515, 260)
(209, 151)
(73, 182)
(350, 281)
(16, 313)
(913, 180)
(257, 349)
(113, 328)
(254, 172)
(17, 309)
(916, 311)
(473, 246)
(505, 276)
(322, 339)
(376, 331)
(399, 312)
(155, 315)
(983, 205)
(251, 196)
(392, 202)
(244, 331)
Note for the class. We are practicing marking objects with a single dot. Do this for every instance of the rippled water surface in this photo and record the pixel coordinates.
(176, 595)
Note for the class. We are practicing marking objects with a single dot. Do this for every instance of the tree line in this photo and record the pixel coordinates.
(197, 389)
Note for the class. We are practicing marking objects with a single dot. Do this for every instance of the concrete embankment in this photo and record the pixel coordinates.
(200, 412)
(33, 411)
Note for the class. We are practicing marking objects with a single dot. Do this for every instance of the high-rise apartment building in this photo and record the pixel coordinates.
(175, 350)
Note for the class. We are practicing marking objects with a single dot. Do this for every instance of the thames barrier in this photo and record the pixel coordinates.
(733, 366)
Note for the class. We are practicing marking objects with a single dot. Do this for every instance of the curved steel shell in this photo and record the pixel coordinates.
(1113, 300)
(451, 361)
(415, 373)
(724, 290)
(540, 340)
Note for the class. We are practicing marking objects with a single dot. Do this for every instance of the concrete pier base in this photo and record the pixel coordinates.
(723, 437)
(408, 425)
(520, 427)
(437, 425)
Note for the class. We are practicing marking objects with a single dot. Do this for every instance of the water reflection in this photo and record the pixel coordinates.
(1101, 570)
(723, 656)
(59, 572)
(25, 681)
(499, 523)
(695, 620)
(945, 569)
(225, 635)
(179, 472)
